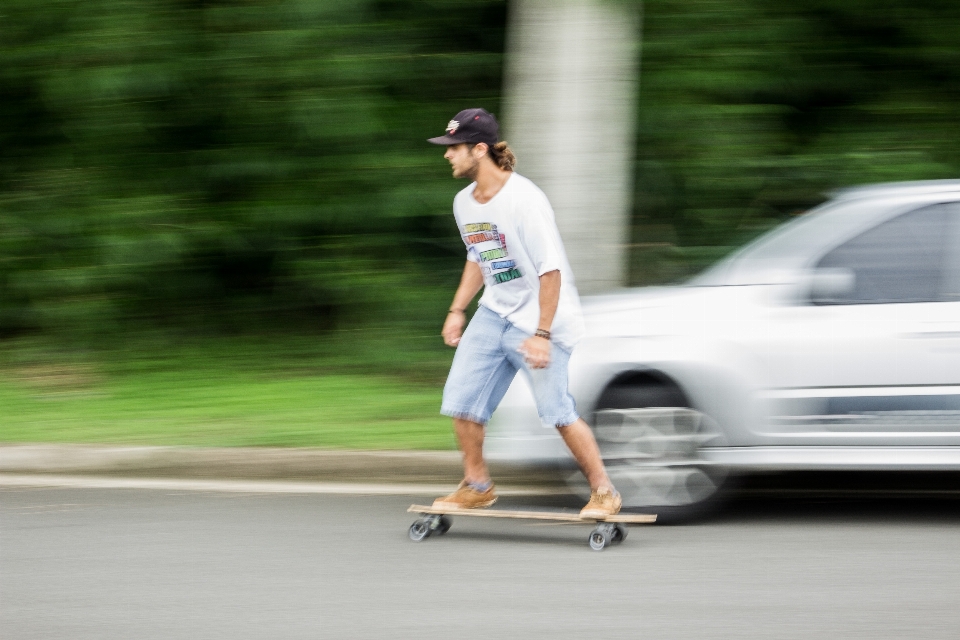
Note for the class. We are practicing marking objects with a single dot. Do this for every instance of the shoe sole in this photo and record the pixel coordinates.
(454, 505)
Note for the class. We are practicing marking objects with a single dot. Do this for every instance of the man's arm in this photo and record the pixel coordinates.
(536, 350)
(470, 284)
(549, 298)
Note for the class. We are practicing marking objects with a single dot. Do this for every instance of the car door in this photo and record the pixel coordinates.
(875, 363)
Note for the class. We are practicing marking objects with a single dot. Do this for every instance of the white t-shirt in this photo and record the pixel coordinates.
(514, 239)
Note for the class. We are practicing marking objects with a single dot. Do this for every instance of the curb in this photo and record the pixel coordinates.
(51, 481)
(256, 463)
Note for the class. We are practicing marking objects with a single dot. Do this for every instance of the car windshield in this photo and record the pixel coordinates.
(786, 247)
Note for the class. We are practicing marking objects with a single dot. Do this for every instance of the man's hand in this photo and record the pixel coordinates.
(453, 328)
(470, 283)
(536, 352)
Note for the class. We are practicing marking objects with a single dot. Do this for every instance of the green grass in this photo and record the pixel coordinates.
(230, 395)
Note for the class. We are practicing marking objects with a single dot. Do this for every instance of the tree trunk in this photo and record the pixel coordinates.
(571, 86)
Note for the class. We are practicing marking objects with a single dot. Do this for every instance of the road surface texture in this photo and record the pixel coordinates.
(125, 563)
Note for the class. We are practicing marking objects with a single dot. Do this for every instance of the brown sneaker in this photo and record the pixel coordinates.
(603, 502)
(466, 497)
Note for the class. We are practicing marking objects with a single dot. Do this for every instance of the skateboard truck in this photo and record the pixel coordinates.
(428, 525)
(606, 534)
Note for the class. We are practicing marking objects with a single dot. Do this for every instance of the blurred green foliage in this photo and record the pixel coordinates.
(243, 166)
(232, 166)
(751, 109)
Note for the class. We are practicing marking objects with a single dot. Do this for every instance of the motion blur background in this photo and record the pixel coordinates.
(220, 223)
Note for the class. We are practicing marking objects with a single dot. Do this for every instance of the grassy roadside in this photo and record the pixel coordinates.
(227, 394)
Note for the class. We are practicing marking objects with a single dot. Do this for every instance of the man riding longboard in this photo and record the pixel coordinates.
(528, 318)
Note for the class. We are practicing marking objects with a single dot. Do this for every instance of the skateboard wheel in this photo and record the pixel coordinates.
(444, 525)
(619, 534)
(599, 539)
(419, 530)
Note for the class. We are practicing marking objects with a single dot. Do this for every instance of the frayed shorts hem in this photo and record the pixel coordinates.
(464, 415)
(566, 421)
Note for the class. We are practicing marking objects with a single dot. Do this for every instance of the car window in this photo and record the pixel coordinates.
(900, 260)
(951, 272)
(787, 246)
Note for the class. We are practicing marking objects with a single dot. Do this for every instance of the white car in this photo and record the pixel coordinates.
(832, 342)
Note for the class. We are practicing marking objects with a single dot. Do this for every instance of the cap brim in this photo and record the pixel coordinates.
(445, 140)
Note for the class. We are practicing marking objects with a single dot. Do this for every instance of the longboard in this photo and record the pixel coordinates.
(609, 529)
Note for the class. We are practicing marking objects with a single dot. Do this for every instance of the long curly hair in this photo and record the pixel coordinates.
(503, 156)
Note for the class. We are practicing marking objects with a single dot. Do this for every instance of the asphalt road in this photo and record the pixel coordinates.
(105, 564)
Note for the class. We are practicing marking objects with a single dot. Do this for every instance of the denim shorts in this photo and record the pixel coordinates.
(486, 363)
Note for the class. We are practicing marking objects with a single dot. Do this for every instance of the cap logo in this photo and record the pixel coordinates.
(452, 126)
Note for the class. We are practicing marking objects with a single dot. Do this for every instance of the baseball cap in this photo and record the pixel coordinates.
(470, 126)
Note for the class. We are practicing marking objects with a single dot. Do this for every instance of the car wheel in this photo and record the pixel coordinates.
(652, 443)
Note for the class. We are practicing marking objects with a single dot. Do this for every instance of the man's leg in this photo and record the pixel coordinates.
(479, 376)
(470, 436)
(557, 407)
(604, 499)
(476, 490)
(583, 446)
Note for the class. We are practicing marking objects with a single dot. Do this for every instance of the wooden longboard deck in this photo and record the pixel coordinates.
(560, 516)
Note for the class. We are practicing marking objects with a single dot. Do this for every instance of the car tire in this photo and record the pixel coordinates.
(651, 441)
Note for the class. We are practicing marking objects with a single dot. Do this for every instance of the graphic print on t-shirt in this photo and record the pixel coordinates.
(490, 248)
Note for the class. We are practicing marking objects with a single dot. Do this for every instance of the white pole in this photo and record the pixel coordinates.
(571, 80)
